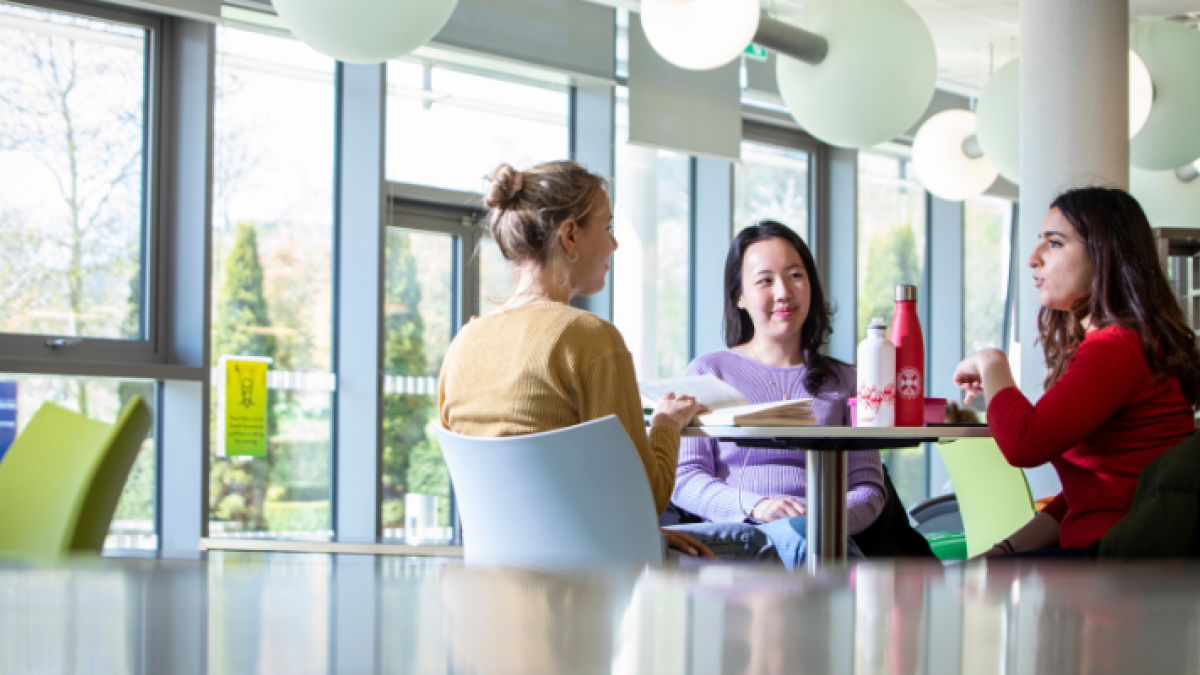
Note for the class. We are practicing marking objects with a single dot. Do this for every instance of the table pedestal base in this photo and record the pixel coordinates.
(828, 527)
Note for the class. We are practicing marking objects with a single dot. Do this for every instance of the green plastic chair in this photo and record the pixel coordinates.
(62, 477)
(948, 545)
(993, 496)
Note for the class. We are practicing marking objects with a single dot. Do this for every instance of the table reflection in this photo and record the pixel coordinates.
(358, 614)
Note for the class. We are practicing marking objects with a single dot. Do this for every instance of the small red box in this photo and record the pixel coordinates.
(935, 411)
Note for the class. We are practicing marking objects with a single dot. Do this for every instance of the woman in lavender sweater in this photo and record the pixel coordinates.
(776, 320)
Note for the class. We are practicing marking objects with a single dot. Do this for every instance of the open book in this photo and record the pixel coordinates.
(729, 407)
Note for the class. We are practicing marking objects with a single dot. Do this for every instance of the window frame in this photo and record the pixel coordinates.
(786, 138)
(97, 356)
(458, 215)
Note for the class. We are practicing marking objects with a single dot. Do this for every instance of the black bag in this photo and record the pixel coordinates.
(891, 535)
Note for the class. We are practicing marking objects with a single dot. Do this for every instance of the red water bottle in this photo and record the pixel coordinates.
(910, 359)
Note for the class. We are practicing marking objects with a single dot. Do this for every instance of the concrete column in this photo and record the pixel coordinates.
(359, 340)
(1074, 126)
(713, 215)
(835, 241)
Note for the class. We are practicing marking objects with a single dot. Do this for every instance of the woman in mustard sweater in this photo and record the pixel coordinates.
(539, 364)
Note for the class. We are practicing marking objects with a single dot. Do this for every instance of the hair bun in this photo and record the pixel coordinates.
(500, 186)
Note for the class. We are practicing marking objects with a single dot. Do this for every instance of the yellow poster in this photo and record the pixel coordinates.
(245, 428)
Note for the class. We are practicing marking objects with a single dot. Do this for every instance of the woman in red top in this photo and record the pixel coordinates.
(1123, 371)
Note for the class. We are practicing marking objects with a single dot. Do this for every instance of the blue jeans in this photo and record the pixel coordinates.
(781, 541)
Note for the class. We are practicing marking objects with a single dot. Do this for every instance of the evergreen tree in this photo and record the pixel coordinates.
(411, 459)
(242, 304)
(237, 490)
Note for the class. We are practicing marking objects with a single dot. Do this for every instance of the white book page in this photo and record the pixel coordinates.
(798, 403)
(706, 389)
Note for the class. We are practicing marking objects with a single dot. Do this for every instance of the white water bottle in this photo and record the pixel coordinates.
(876, 405)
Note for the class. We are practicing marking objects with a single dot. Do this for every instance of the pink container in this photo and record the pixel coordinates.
(935, 411)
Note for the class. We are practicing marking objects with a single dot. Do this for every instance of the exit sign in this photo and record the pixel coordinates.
(755, 52)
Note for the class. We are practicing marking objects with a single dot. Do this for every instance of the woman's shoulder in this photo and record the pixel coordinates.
(713, 363)
(843, 381)
(1119, 340)
(845, 372)
(585, 330)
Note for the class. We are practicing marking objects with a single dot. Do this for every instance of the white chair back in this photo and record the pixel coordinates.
(574, 497)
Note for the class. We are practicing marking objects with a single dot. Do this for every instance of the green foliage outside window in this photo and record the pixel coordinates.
(412, 460)
(985, 273)
(891, 260)
(237, 486)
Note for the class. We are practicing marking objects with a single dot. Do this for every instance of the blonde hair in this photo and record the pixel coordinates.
(528, 208)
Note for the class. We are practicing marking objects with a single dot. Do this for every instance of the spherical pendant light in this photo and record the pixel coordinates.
(1167, 201)
(1141, 93)
(877, 79)
(941, 164)
(1171, 137)
(700, 34)
(365, 31)
(998, 112)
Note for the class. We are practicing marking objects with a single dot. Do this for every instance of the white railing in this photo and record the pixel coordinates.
(405, 384)
(130, 535)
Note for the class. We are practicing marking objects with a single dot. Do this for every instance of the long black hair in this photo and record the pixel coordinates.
(1129, 289)
(814, 333)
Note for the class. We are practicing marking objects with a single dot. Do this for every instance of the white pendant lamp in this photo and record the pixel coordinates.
(998, 113)
(947, 161)
(1171, 137)
(700, 34)
(997, 116)
(365, 31)
(1141, 94)
(1167, 200)
(876, 80)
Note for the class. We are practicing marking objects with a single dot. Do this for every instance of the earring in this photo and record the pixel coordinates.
(575, 259)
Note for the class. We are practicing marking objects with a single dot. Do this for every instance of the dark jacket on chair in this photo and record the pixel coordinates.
(891, 535)
(1164, 518)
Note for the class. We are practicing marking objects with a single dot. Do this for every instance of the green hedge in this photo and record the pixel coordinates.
(298, 516)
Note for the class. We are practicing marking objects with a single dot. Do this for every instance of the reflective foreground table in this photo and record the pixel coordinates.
(825, 464)
(312, 614)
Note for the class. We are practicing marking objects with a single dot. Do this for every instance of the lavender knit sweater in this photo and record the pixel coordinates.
(707, 477)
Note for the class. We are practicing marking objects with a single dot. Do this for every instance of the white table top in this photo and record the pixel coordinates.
(939, 432)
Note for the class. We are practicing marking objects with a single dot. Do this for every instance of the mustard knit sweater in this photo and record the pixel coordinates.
(544, 367)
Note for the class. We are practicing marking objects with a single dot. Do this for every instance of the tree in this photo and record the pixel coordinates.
(72, 105)
(412, 462)
(985, 276)
(891, 260)
(237, 489)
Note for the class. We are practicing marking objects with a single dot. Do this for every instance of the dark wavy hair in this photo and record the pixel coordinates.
(814, 334)
(1130, 289)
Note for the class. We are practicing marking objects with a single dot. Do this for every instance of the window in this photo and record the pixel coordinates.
(772, 183)
(450, 129)
(891, 251)
(891, 234)
(652, 266)
(419, 314)
(133, 524)
(987, 247)
(495, 277)
(272, 277)
(73, 102)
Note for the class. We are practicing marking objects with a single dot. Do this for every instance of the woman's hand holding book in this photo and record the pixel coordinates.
(676, 411)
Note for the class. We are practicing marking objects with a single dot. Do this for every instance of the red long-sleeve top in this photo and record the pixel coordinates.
(1105, 419)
